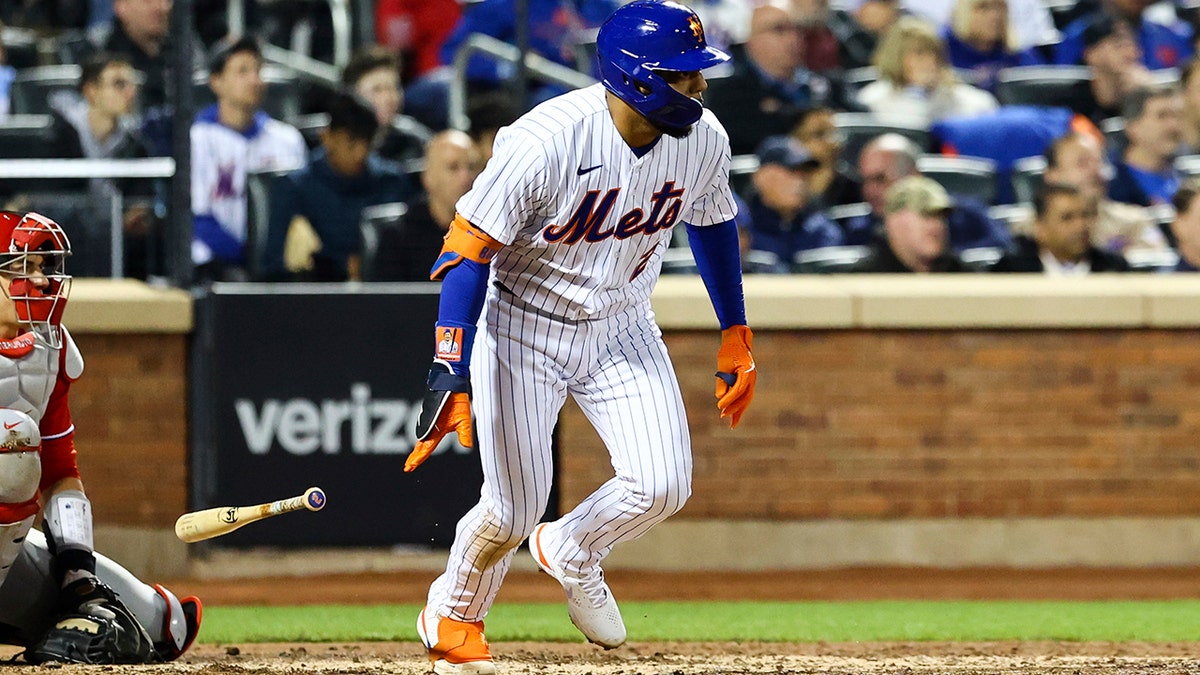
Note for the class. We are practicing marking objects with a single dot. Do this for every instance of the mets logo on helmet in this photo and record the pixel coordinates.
(697, 29)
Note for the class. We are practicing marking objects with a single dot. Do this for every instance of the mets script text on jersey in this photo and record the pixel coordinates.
(587, 223)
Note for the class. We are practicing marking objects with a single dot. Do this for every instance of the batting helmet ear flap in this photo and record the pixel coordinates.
(645, 36)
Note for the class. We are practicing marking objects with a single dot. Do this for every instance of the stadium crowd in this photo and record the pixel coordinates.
(868, 135)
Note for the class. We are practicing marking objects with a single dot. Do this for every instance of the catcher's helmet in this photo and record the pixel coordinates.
(38, 287)
(645, 36)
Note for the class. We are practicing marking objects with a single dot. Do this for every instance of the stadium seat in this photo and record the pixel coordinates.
(32, 87)
(980, 259)
(1188, 165)
(845, 213)
(1027, 177)
(858, 129)
(1016, 217)
(21, 46)
(741, 167)
(1162, 215)
(857, 78)
(1039, 85)
(1114, 134)
(969, 176)
(310, 127)
(1144, 260)
(376, 224)
(678, 261)
(829, 259)
(25, 136)
(258, 218)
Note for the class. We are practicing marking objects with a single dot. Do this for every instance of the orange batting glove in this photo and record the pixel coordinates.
(442, 411)
(736, 374)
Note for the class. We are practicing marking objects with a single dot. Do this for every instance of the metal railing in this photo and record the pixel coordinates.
(154, 167)
(343, 32)
(485, 44)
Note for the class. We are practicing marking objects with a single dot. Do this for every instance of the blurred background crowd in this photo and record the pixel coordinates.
(330, 139)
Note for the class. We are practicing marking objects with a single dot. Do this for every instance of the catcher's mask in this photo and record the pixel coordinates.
(33, 258)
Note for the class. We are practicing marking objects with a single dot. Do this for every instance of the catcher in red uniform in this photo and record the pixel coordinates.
(58, 598)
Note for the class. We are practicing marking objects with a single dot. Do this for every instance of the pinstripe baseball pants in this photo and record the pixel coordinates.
(525, 364)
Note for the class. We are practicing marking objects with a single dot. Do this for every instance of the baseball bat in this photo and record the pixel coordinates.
(219, 520)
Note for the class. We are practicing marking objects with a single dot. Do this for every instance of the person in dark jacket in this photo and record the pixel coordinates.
(1145, 172)
(769, 85)
(1061, 241)
(97, 123)
(407, 250)
(783, 217)
(914, 238)
(329, 195)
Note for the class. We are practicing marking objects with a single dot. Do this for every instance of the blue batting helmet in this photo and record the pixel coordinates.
(645, 36)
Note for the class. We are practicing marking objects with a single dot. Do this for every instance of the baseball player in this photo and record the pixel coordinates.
(549, 265)
(58, 598)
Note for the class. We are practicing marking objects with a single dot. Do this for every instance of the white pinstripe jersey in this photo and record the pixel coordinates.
(584, 220)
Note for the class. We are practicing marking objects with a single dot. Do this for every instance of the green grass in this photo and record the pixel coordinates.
(1151, 621)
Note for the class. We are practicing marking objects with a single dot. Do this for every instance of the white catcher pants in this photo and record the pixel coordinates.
(524, 365)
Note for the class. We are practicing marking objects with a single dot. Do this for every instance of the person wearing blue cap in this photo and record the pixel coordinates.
(783, 217)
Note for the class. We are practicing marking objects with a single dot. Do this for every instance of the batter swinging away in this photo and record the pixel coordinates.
(549, 266)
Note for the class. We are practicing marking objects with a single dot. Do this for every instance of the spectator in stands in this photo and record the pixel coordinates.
(916, 84)
(980, 39)
(487, 113)
(1145, 171)
(1061, 241)
(890, 157)
(416, 30)
(914, 237)
(1185, 227)
(554, 28)
(769, 84)
(374, 74)
(726, 22)
(230, 139)
(407, 252)
(859, 29)
(141, 31)
(329, 195)
(1077, 159)
(1113, 58)
(821, 50)
(1034, 28)
(99, 126)
(830, 182)
(1190, 84)
(1162, 46)
(783, 217)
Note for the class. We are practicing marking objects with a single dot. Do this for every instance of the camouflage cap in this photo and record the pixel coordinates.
(918, 193)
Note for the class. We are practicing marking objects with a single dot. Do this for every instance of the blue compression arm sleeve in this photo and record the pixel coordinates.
(463, 290)
(719, 260)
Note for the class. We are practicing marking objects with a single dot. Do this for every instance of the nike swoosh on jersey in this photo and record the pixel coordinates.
(581, 171)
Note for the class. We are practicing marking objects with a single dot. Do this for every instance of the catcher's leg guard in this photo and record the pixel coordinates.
(94, 627)
(181, 623)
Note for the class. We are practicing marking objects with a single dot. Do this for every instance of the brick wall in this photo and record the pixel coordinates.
(845, 424)
(937, 424)
(130, 412)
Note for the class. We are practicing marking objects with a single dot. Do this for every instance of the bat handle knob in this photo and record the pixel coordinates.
(314, 499)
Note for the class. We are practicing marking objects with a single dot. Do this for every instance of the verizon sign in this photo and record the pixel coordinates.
(303, 385)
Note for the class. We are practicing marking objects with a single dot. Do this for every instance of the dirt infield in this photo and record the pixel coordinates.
(638, 658)
(687, 659)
